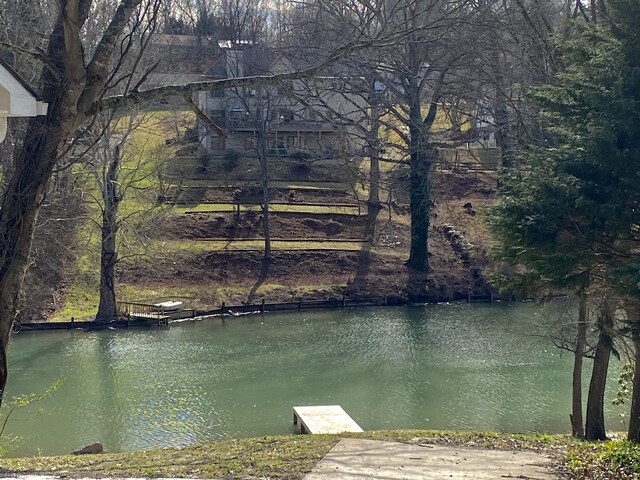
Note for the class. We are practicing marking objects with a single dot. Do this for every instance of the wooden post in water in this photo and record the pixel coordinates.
(262, 306)
(344, 301)
(222, 308)
(300, 304)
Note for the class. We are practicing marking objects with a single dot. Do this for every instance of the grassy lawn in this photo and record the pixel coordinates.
(204, 246)
(280, 457)
(285, 185)
(299, 208)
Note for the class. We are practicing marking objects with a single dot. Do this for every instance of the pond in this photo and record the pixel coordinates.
(452, 366)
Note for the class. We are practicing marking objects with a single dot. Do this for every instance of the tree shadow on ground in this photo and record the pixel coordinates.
(365, 254)
(264, 273)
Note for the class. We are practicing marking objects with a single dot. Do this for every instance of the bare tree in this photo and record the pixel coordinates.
(119, 168)
(78, 83)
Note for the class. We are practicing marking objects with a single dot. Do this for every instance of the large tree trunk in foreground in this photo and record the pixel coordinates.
(595, 428)
(577, 427)
(33, 167)
(70, 88)
(17, 223)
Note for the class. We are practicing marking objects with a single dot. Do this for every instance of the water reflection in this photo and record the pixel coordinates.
(445, 366)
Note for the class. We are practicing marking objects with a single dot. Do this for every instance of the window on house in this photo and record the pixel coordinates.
(217, 143)
(237, 114)
(218, 117)
(286, 115)
(237, 117)
(281, 115)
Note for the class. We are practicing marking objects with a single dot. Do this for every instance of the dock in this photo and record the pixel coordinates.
(324, 419)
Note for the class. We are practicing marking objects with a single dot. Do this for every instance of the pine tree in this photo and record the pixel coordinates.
(568, 214)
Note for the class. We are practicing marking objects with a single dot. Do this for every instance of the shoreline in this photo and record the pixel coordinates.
(240, 310)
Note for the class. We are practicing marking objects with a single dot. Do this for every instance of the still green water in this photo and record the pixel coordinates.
(440, 366)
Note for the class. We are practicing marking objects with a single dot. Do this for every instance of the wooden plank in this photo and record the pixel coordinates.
(324, 419)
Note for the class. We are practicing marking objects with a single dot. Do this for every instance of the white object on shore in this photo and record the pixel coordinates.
(168, 306)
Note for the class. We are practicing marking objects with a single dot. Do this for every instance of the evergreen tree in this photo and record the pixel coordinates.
(569, 213)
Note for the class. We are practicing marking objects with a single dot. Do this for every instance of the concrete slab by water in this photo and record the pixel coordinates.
(355, 459)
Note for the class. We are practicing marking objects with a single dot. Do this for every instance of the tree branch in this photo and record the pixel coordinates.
(203, 117)
(98, 68)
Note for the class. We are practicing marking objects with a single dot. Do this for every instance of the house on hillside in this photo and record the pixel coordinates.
(319, 117)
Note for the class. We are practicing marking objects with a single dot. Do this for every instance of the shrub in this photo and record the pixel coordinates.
(230, 160)
(301, 170)
(300, 156)
(618, 460)
(203, 162)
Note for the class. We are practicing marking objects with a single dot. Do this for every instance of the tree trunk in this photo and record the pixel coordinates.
(33, 168)
(70, 89)
(17, 223)
(421, 155)
(420, 208)
(634, 416)
(595, 428)
(503, 140)
(107, 309)
(577, 427)
(374, 154)
(264, 175)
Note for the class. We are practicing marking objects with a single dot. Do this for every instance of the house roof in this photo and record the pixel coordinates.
(251, 59)
(20, 80)
(17, 98)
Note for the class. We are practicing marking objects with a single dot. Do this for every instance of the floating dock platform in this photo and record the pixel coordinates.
(324, 419)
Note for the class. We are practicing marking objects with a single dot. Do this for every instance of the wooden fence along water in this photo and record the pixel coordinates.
(151, 313)
(138, 314)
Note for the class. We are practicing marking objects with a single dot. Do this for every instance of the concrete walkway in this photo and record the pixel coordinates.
(354, 459)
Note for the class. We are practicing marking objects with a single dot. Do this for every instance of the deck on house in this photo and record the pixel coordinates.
(324, 419)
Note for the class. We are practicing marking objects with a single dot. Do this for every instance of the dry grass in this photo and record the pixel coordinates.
(281, 457)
